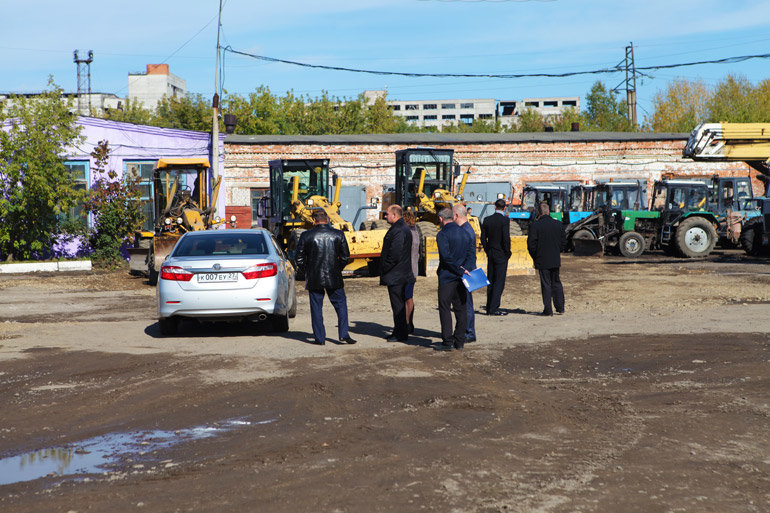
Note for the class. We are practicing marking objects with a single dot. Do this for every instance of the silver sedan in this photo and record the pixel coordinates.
(226, 274)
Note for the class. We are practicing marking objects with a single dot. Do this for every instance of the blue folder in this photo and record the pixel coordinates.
(475, 280)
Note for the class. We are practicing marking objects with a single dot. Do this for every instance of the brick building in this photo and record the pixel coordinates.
(497, 162)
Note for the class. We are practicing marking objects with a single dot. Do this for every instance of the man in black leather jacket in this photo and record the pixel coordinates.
(396, 269)
(322, 253)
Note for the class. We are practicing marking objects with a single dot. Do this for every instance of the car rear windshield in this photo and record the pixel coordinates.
(225, 244)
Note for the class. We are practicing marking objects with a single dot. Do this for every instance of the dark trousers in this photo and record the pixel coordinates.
(470, 328)
(397, 295)
(496, 271)
(552, 290)
(339, 302)
(452, 297)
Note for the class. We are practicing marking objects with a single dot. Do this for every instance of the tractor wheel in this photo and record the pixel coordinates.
(751, 238)
(584, 234)
(379, 224)
(291, 249)
(425, 229)
(152, 273)
(516, 230)
(695, 237)
(631, 245)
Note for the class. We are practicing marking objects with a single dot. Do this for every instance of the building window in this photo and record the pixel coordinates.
(550, 103)
(141, 171)
(466, 105)
(430, 118)
(429, 106)
(448, 106)
(79, 172)
(411, 106)
(467, 118)
(395, 107)
(569, 103)
(413, 118)
(532, 104)
(448, 116)
(256, 195)
(485, 116)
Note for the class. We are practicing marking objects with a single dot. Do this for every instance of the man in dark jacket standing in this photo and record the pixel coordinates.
(322, 253)
(396, 269)
(545, 242)
(455, 253)
(496, 241)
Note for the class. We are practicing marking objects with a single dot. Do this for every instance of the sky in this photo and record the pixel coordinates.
(412, 36)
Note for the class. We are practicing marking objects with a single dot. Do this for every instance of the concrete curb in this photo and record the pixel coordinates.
(33, 267)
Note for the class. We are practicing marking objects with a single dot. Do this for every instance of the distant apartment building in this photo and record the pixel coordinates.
(157, 82)
(440, 113)
(87, 104)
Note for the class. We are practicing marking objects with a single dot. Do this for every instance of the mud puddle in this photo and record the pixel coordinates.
(108, 452)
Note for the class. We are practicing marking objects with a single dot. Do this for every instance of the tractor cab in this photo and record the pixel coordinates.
(424, 179)
(555, 196)
(679, 196)
(731, 192)
(308, 178)
(622, 195)
(581, 203)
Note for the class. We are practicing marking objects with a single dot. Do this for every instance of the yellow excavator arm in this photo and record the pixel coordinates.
(747, 142)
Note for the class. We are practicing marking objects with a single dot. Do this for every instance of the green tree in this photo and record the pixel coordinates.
(36, 186)
(680, 107)
(735, 100)
(132, 112)
(604, 112)
(192, 112)
(529, 120)
(116, 207)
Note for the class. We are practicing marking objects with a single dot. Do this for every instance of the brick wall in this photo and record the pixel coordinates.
(373, 164)
(242, 216)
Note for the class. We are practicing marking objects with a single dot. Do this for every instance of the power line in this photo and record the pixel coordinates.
(614, 69)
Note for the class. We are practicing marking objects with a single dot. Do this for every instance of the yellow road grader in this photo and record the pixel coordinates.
(424, 182)
(297, 188)
(181, 203)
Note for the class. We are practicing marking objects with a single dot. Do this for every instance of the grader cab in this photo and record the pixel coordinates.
(298, 187)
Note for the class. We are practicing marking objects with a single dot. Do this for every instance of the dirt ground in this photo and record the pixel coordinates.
(649, 395)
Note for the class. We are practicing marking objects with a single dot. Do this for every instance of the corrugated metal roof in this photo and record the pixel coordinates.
(464, 138)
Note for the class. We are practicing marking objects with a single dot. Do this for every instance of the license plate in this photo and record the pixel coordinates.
(217, 277)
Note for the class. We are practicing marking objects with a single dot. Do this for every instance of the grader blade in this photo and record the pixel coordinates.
(520, 262)
(588, 247)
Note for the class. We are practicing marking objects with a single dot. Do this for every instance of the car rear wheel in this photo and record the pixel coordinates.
(169, 326)
(280, 323)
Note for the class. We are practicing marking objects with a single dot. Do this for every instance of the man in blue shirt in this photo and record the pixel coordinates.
(461, 219)
(454, 251)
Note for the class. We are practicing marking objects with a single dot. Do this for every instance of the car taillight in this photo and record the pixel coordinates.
(174, 273)
(260, 271)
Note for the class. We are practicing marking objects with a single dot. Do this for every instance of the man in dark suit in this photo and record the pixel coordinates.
(496, 240)
(396, 269)
(545, 243)
(455, 253)
(322, 253)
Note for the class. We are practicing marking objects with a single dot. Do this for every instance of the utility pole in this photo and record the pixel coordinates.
(215, 109)
(84, 80)
(631, 84)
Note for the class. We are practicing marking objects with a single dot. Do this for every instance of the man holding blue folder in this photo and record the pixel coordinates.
(454, 253)
(461, 219)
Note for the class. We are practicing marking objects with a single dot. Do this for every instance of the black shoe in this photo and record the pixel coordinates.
(546, 314)
(411, 328)
(560, 313)
(393, 338)
(319, 343)
(498, 312)
(459, 348)
(468, 340)
(348, 340)
(443, 347)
